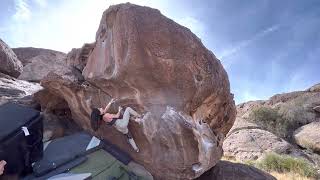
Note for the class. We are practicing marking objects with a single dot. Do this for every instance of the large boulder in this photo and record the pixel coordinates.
(162, 70)
(9, 62)
(308, 136)
(225, 170)
(252, 143)
(39, 62)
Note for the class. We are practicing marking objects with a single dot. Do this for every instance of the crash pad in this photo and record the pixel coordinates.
(103, 165)
(63, 150)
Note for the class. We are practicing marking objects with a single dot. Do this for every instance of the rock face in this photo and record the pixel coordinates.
(78, 57)
(162, 70)
(27, 54)
(39, 62)
(308, 136)
(225, 170)
(9, 62)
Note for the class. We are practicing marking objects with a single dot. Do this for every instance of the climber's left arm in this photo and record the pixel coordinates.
(108, 106)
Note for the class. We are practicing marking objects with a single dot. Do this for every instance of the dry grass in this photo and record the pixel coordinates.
(286, 164)
(281, 167)
(289, 176)
(230, 159)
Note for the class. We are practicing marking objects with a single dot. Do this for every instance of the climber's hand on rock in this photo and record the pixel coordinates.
(120, 109)
(112, 100)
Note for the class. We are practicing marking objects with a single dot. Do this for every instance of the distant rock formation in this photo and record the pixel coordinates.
(161, 69)
(27, 54)
(39, 62)
(299, 123)
(9, 63)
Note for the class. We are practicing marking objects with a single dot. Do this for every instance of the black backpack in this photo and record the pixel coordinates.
(21, 135)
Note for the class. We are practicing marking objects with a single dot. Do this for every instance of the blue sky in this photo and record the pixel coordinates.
(266, 46)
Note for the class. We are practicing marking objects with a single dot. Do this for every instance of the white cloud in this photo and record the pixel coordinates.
(23, 12)
(247, 42)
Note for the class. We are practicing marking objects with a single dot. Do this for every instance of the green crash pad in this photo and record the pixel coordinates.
(104, 166)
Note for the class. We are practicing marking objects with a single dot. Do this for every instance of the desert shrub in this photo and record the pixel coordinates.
(284, 163)
(271, 120)
(283, 119)
(299, 115)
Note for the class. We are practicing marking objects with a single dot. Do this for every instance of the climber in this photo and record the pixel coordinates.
(121, 124)
(2, 164)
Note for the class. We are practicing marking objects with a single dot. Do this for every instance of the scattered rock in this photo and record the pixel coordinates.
(184, 93)
(308, 136)
(225, 170)
(10, 64)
